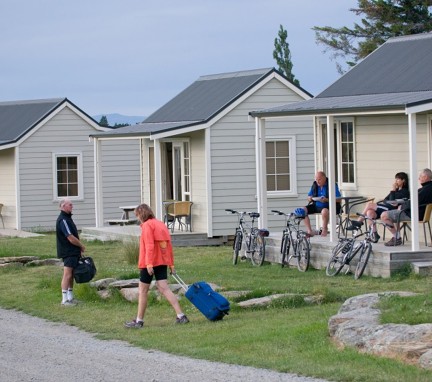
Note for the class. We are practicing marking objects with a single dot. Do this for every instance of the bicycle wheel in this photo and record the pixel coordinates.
(237, 246)
(336, 261)
(363, 260)
(285, 248)
(303, 254)
(258, 250)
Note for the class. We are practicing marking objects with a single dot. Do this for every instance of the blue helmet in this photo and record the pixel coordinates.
(299, 212)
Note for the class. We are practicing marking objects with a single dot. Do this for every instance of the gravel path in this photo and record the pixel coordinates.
(33, 349)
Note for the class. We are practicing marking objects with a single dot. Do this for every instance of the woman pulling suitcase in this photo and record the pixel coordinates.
(155, 256)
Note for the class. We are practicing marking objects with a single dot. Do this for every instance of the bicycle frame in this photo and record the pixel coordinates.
(246, 233)
(293, 236)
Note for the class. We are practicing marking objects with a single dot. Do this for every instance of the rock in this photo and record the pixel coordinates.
(102, 283)
(18, 259)
(104, 293)
(132, 283)
(357, 325)
(11, 264)
(130, 294)
(52, 261)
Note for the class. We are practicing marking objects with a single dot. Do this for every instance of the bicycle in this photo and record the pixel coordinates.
(252, 237)
(293, 236)
(348, 248)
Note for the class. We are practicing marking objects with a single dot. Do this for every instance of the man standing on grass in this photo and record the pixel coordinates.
(69, 248)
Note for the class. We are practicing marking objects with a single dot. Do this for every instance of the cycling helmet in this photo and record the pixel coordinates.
(299, 212)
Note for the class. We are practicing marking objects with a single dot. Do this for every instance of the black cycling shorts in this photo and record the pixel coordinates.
(160, 273)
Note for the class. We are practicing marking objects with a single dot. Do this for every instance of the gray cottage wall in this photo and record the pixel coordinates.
(233, 166)
(65, 133)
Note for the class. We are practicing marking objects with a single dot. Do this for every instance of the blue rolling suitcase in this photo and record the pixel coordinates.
(210, 303)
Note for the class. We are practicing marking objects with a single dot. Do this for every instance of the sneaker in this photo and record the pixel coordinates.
(74, 301)
(354, 225)
(68, 303)
(182, 320)
(134, 324)
(393, 242)
(375, 237)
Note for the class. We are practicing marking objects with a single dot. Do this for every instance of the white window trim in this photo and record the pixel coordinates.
(342, 185)
(291, 139)
(55, 155)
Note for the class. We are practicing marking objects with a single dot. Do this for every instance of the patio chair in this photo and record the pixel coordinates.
(426, 221)
(179, 210)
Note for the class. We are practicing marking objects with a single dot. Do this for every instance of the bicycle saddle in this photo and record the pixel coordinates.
(254, 215)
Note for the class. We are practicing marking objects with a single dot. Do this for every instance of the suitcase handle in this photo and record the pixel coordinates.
(180, 281)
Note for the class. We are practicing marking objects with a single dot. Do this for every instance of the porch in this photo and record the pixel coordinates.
(383, 262)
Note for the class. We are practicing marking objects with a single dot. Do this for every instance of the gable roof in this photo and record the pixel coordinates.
(17, 118)
(200, 102)
(395, 76)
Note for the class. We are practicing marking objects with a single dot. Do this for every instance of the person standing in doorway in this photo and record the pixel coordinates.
(69, 249)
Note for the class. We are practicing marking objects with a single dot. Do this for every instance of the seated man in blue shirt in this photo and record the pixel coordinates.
(318, 198)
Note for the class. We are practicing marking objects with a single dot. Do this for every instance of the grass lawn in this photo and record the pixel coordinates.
(287, 336)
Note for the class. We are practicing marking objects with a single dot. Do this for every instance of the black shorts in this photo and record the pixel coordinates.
(160, 273)
(313, 209)
(71, 261)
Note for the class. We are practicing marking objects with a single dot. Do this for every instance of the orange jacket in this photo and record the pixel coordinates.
(155, 245)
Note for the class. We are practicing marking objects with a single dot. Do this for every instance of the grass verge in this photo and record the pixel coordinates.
(287, 336)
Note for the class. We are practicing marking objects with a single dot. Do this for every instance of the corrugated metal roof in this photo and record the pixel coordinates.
(207, 96)
(358, 103)
(141, 129)
(18, 117)
(399, 65)
(394, 76)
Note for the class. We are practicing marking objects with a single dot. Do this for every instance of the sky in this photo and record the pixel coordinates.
(133, 56)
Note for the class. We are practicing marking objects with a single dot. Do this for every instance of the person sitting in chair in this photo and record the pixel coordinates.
(404, 211)
(399, 190)
(318, 198)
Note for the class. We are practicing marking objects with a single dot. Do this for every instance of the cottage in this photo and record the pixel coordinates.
(46, 154)
(202, 146)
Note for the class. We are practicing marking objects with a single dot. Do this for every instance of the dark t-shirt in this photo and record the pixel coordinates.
(65, 227)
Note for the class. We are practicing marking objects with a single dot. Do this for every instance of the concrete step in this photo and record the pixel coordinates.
(422, 268)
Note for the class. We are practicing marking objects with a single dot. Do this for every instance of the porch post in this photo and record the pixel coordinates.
(158, 179)
(98, 183)
(261, 181)
(331, 177)
(412, 134)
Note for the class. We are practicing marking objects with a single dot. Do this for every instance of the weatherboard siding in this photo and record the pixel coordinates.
(382, 150)
(66, 133)
(233, 166)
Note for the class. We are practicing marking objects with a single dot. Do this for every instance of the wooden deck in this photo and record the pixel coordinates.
(383, 262)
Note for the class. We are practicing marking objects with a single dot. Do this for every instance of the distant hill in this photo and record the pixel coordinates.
(119, 118)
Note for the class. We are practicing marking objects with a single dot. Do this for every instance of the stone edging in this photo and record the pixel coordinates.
(357, 325)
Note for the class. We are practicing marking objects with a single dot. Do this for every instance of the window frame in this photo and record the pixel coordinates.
(291, 140)
(338, 146)
(78, 155)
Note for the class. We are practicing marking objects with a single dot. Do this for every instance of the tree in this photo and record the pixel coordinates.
(382, 19)
(103, 121)
(282, 55)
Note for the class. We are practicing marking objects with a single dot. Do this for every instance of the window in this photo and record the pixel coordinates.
(280, 159)
(344, 143)
(347, 152)
(67, 176)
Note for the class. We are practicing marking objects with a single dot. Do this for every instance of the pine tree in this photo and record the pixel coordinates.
(103, 121)
(382, 19)
(282, 55)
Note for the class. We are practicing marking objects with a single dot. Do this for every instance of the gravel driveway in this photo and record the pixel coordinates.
(33, 349)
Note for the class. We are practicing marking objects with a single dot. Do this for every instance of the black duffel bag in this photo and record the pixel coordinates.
(85, 270)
